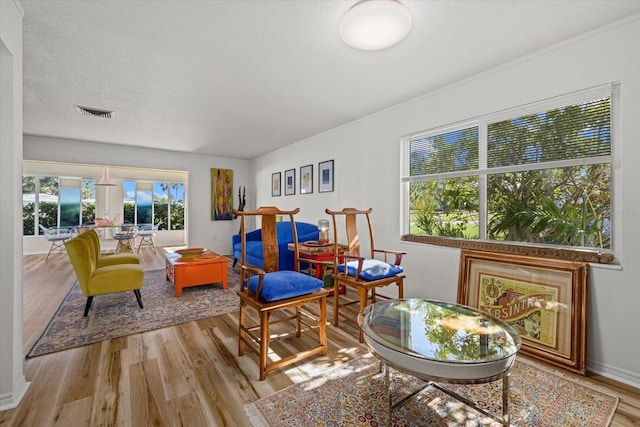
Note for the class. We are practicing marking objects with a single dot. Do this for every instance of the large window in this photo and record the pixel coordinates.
(53, 201)
(540, 174)
(39, 203)
(160, 203)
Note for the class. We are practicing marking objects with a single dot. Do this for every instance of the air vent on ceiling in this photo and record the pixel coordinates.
(93, 112)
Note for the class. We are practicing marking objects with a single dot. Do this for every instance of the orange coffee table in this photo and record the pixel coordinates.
(195, 266)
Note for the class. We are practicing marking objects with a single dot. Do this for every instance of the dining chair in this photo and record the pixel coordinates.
(146, 232)
(360, 267)
(268, 290)
(125, 235)
(57, 237)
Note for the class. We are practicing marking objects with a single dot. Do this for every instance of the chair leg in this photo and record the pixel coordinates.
(363, 293)
(148, 241)
(56, 244)
(138, 297)
(235, 261)
(298, 322)
(336, 301)
(49, 253)
(322, 320)
(241, 318)
(264, 343)
(88, 305)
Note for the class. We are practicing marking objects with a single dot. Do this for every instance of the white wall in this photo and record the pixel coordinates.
(202, 232)
(367, 152)
(12, 381)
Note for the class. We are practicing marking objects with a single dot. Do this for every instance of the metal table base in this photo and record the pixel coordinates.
(431, 381)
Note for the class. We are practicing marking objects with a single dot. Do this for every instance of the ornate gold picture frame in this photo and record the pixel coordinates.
(544, 299)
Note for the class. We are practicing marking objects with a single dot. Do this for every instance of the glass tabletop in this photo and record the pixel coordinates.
(439, 331)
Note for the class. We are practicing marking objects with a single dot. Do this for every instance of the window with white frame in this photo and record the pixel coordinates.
(54, 201)
(537, 174)
(158, 203)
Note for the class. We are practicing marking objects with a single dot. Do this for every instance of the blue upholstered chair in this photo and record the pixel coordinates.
(304, 231)
(361, 269)
(268, 289)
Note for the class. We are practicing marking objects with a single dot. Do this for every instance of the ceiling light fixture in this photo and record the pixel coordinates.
(106, 179)
(375, 24)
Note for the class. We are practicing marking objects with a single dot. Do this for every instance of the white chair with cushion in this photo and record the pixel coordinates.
(57, 237)
(125, 235)
(146, 232)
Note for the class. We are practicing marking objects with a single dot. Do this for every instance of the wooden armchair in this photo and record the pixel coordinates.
(268, 290)
(361, 270)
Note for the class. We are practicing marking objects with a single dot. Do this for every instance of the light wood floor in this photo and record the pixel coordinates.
(186, 375)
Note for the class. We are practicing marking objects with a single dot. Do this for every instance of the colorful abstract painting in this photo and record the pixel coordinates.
(221, 194)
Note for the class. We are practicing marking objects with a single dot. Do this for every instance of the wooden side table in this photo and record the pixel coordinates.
(319, 253)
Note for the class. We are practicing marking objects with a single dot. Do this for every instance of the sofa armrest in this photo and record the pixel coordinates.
(252, 235)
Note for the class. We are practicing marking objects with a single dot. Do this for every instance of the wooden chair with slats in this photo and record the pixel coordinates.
(359, 269)
(268, 290)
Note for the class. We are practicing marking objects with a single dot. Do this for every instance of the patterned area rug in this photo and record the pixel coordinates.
(117, 315)
(355, 395)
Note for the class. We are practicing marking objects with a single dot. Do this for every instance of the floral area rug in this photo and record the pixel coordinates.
(117, 315)
(354, 394)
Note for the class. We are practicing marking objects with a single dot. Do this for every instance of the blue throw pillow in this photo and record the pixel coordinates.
(285, 284)
(372, 269)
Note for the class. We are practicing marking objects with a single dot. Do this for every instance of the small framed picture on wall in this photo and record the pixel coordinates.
(306, 179)
(289, 182)
(275, 184)
(325, 176)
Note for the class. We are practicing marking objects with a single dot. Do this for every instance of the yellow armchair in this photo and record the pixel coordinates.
(104, 280)
(103, 261)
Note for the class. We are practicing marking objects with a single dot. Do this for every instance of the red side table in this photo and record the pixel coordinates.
(315, 252)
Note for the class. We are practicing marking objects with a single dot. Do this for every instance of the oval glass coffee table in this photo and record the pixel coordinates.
(441, 342)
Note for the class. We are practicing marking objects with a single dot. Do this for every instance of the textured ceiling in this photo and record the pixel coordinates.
(243, 78)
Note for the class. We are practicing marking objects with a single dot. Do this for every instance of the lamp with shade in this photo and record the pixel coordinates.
(106, 179)
(323, 227)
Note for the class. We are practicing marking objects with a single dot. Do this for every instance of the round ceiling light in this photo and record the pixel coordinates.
(375, 24)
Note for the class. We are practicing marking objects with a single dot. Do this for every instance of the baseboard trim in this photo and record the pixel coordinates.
(614, 373)
(12, 400)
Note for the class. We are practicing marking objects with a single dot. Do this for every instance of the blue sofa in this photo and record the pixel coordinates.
(305, 232)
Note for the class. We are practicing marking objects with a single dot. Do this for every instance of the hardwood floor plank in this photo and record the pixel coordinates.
(190, 411)
(75, 413)
(188, 374)
(146, 391)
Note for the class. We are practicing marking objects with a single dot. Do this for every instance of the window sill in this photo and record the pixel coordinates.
(581, 255)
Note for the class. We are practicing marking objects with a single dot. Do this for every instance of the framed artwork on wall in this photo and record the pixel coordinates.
(306, 179)
(289, 182)
(325, 176)
(275, 184)
(544, 299)
(221, 194)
